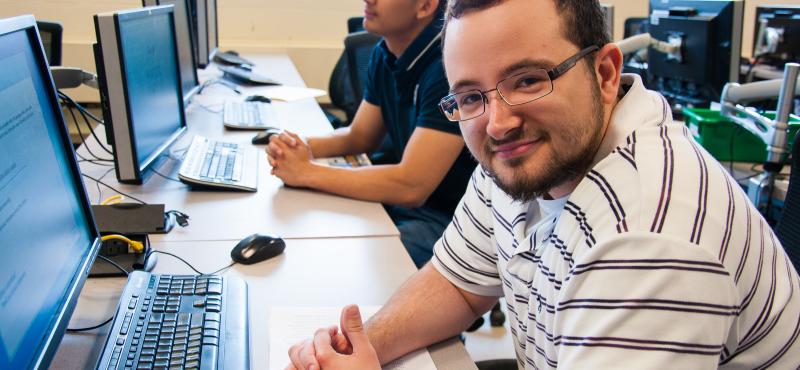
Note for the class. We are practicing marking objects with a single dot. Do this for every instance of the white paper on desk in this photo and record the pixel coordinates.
(289, 325)
(289, 93)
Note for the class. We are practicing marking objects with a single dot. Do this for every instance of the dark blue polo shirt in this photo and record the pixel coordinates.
(408, 90)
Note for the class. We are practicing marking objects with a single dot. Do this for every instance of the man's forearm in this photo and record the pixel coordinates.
(384, 183)
(425, 310)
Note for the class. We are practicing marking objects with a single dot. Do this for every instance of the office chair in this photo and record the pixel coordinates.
(51, 39)
(358, 47)
(340, 89)
(788, 229)
(355, 24)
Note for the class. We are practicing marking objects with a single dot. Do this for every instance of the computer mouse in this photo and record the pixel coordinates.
(258, 98)
(263, 136)
(256, 248)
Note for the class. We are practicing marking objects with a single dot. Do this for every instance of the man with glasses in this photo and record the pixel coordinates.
(428, 166)
(616, 240)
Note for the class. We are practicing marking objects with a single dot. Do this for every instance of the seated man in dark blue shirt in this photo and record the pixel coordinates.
(405, 82)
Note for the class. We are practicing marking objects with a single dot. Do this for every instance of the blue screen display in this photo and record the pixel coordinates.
(44, 231)
(151, 76)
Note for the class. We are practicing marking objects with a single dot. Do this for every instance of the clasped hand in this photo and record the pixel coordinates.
(331, 349)
(290, 158)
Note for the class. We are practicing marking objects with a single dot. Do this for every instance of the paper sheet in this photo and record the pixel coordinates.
(289, 93)
(289, 325)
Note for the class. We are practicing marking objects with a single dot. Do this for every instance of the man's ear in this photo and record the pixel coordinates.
(427, 8)
(608, 66)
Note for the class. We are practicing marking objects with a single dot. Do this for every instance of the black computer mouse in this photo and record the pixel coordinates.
(258, 98)
(263, 136)
(256, 248)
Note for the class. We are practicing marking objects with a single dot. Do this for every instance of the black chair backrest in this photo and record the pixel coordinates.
(788, 229)
(355, 24)
(51, 34)
(340, 91)
(358, 47)
(635, 26)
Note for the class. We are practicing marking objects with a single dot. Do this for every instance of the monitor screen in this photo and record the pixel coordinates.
(183, 36)
(148, 52)
(204, 14)
(46, 230)
(709, 32)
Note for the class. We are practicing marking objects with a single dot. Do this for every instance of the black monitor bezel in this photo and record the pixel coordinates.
(765, 8)
(720, 10)
(134, 14)
(49, 345)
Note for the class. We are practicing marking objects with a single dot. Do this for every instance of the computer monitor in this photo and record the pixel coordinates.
(608, 14)
(205, 20)
(709, 32)
(140, 86)
(47, 234)
(190, 84)
(776, 35)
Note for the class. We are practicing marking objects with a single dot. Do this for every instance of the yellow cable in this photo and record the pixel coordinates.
(114, 198)
(137, 246)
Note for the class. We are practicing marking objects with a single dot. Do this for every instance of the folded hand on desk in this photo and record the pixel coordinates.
(290, 158)
(349, 349)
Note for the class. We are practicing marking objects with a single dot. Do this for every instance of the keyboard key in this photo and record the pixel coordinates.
(209, 357)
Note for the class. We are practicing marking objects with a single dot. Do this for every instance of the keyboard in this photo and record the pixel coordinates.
(220, 164)
(179, 322)
(249, 115)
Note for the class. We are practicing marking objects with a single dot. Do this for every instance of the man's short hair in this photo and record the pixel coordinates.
(582, 20)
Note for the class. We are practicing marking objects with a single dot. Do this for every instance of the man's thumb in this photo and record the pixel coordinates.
(353, 327)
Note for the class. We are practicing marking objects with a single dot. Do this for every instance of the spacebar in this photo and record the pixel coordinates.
(208, 359)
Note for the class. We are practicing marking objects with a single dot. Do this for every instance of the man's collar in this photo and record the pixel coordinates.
(428, 39)
(630, 113)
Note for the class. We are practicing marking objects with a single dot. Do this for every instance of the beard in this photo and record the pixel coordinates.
(580, 147)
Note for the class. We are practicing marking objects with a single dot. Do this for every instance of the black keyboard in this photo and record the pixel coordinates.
(179, 322)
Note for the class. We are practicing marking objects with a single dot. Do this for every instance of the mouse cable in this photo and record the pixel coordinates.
(82, 111)
(190, 265)
(76, 330)
(220, 81)
(112, 188)
(100, 325)
(165, 176)
(104, 258)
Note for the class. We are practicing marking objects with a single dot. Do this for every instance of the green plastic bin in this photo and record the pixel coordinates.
(715, 132)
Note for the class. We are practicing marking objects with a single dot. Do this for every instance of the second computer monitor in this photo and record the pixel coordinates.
(709, 34)
(140, 86)
(205, 20)
(184, 38)
(777, 34)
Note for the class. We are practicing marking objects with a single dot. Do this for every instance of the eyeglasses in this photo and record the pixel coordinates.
(521, 88)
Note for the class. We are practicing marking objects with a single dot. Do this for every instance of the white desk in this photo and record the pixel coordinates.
(225, 215)
(310, 273)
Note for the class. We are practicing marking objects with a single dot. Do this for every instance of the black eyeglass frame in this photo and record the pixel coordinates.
(552, 74)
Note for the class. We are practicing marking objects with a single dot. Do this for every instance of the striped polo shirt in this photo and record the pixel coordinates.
(657, 259)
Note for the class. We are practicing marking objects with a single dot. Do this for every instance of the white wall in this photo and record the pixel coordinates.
(310, 31)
